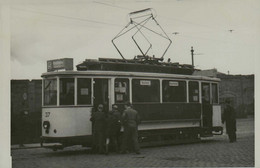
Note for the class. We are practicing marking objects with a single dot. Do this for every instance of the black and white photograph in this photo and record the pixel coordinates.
(129, 83)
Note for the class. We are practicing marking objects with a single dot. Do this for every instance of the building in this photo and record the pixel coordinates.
(237, 88)
(26, 96)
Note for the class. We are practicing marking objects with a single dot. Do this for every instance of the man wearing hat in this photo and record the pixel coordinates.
(229, 116)
(98, 122)
(130, 119)
(113, 127)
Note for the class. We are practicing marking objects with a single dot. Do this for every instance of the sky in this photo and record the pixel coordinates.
(84, 30)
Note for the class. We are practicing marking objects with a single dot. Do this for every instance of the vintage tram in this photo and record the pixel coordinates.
(174, 105)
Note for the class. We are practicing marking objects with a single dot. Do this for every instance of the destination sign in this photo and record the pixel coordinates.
(173, 83)
(58, 64)
(145, 82)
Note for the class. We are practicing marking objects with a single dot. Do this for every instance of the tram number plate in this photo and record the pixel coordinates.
(47, 114)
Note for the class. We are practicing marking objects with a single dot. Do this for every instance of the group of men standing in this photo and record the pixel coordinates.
(106, 128)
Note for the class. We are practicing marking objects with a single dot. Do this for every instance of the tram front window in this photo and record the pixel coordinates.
(84, 91)
(50, 92)
(67, 91)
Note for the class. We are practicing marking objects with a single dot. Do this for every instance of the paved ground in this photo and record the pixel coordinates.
(211, 152)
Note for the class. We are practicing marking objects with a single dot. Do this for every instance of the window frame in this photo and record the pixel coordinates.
(129, 90)
(188, 91)
(217, 87)
(43, 92)
(91, 90)
(177, 80)
(140, 78)
(75, 90)
(210, 96)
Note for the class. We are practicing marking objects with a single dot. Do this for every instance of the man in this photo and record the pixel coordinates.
(98, 123)
(23, 131)
(113, 127)
(229, 117)
(130, 119)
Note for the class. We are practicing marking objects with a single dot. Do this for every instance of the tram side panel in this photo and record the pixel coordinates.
(169, 115)
(168, 111)
(169, 122)
(60, 124)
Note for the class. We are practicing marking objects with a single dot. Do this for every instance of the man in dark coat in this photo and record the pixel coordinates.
(98, 123)
(229, 117)
(130, 119)
(23, 127)
(113, 127)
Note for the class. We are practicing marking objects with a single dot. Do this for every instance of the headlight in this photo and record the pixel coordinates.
(46, 126)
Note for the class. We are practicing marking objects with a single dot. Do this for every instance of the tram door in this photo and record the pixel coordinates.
(101, 93)
(206, 105)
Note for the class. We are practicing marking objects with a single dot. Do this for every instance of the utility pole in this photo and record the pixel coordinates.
(192, 54)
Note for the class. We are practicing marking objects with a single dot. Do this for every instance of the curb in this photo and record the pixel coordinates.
(30, 146)
(26, 146)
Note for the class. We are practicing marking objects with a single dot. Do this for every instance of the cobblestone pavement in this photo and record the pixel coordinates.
(210, 152)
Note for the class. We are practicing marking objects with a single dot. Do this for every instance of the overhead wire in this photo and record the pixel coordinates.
(69, 17)
(102, 3)
(112, 24)
(169, 18)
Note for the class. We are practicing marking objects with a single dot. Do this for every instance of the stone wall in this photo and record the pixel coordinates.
(239, 89)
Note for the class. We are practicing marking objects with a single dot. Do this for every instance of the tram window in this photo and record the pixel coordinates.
(174, 91)
(121, 90)
(50, 92)
(67, 91)
(84, 91)
(214, 93)
(205, 93)
(193, 91)
(146, 90)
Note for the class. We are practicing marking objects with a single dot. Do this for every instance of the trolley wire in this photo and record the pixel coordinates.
(115, 6)
(168, 18)
(69, 17)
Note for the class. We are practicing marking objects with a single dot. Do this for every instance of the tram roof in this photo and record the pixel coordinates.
(138, 64)
(126, 74)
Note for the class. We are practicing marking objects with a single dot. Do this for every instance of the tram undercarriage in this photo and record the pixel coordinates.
(147, 138)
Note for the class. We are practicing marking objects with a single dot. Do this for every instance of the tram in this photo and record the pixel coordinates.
(174, 105)
(171, 106)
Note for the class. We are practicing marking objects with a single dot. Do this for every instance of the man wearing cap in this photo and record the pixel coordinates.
(130, 119)
(113, 127)
(98, 122)
(229, 117)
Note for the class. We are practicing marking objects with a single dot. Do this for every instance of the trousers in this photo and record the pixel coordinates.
(130, 139)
